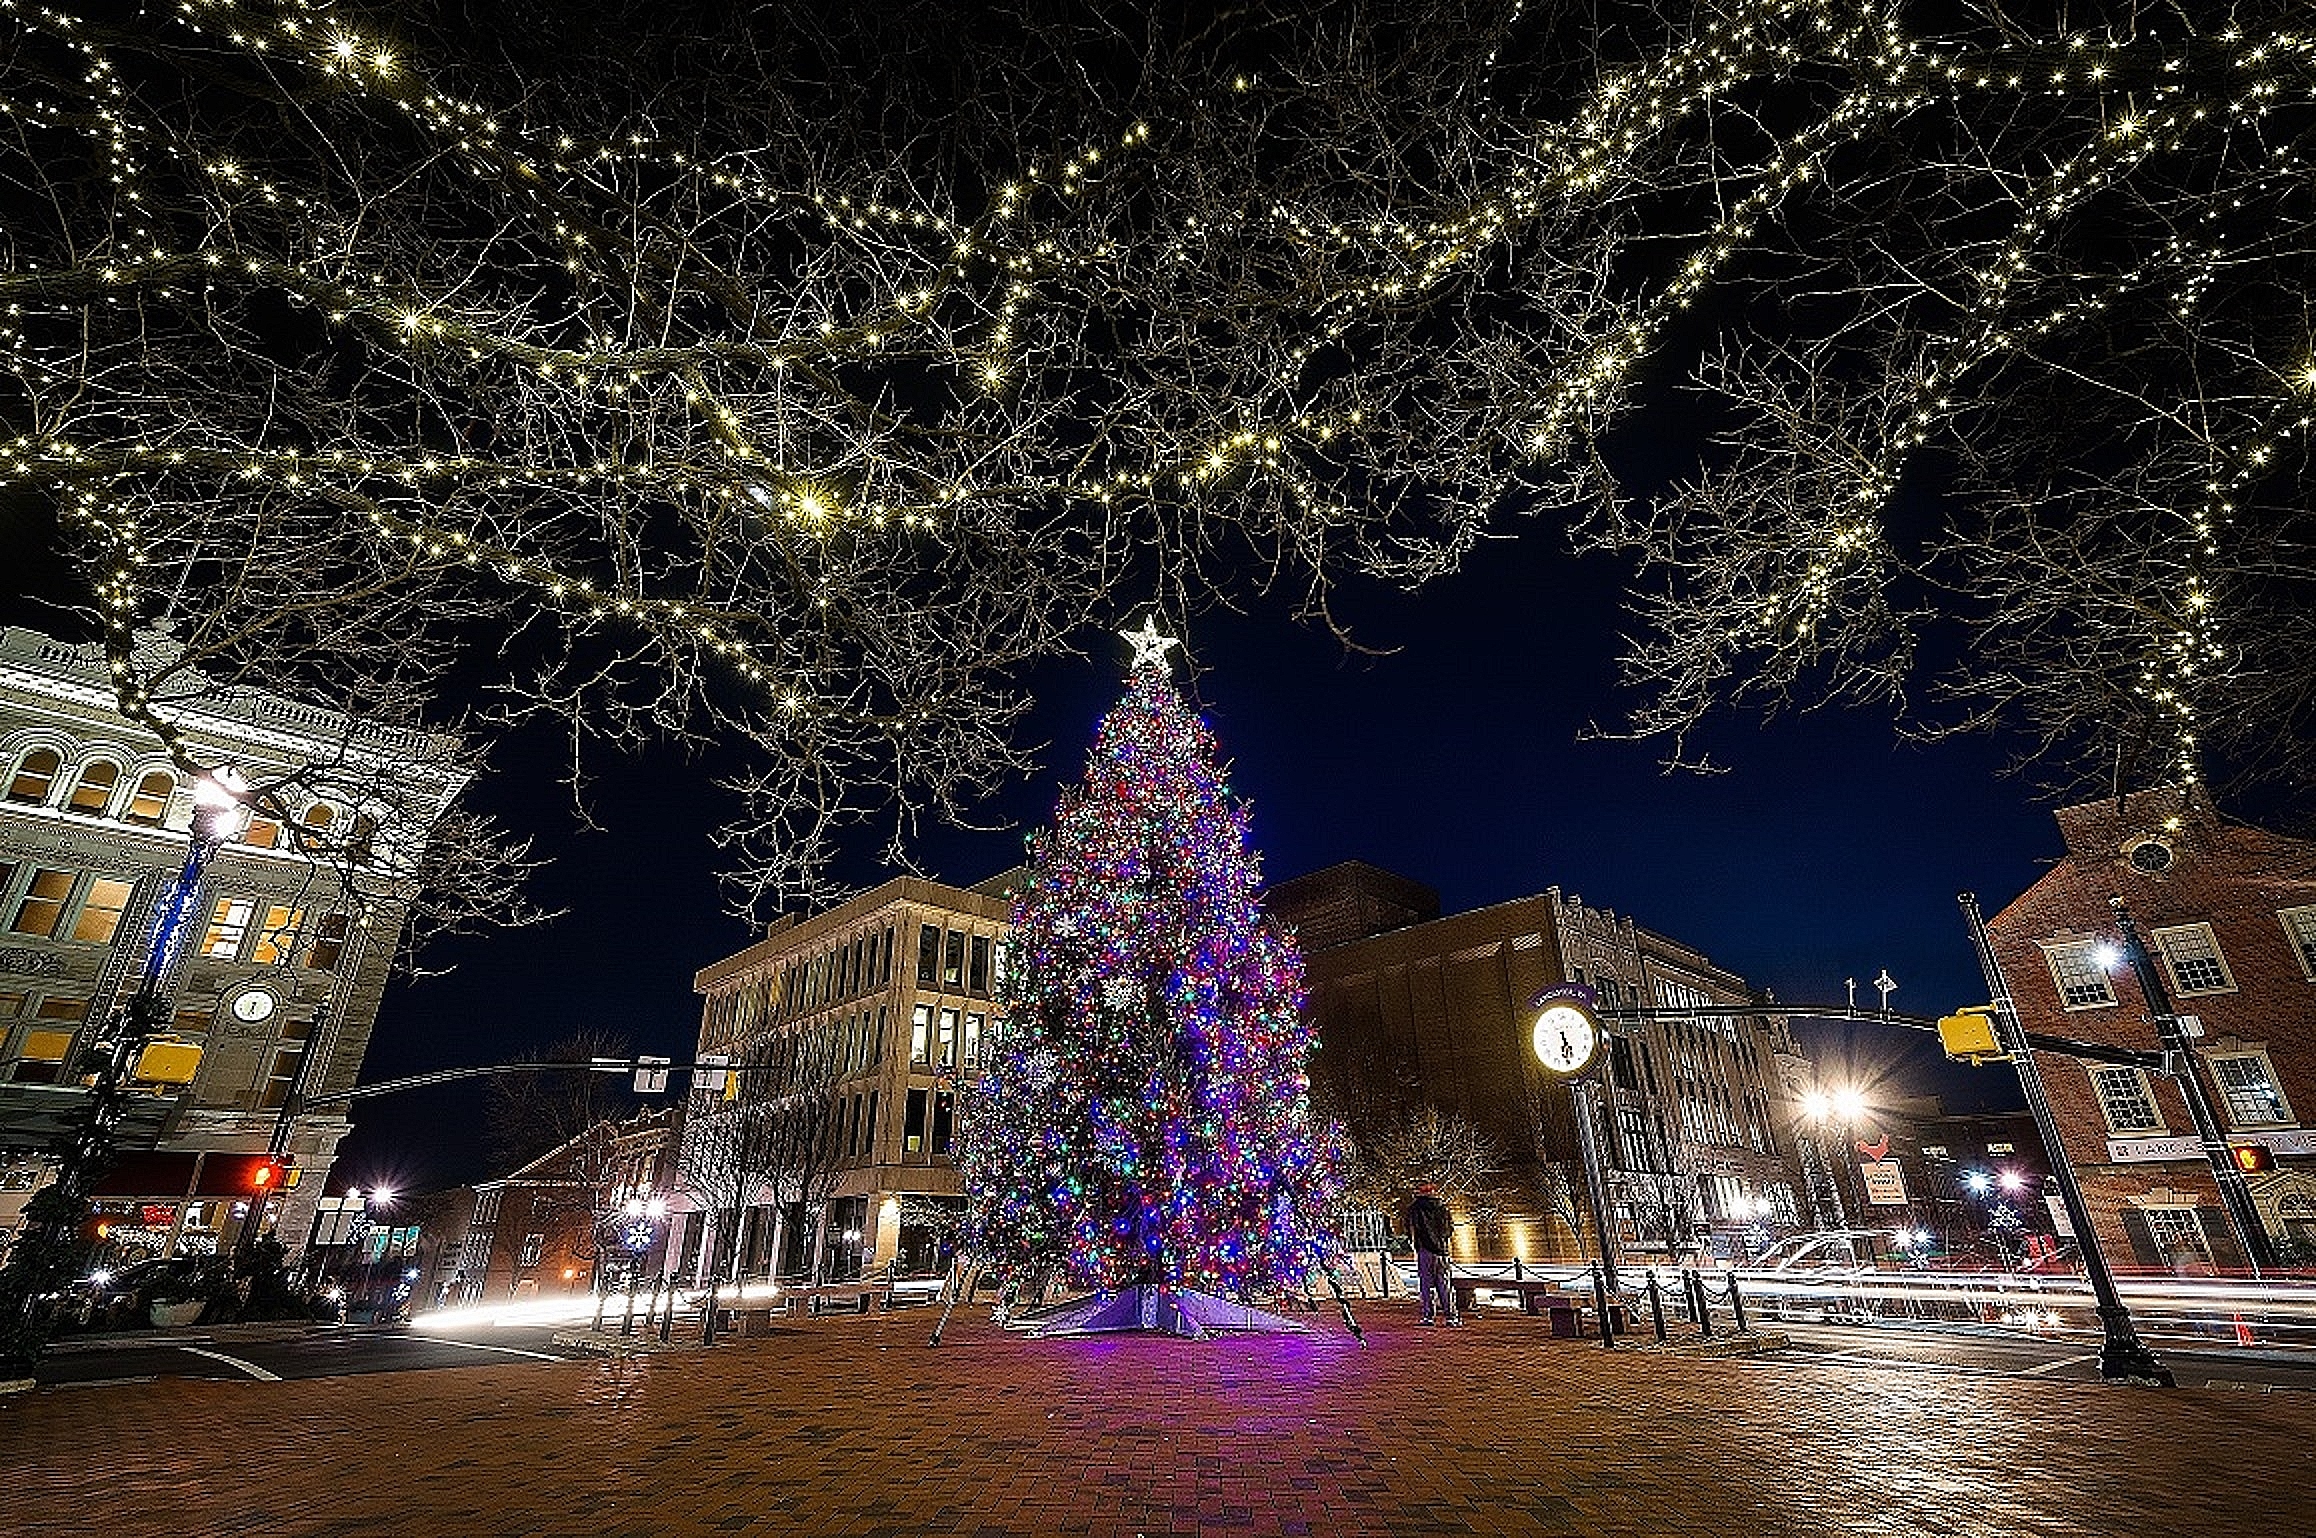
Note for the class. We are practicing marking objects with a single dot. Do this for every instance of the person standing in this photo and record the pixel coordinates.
(1432, 1228)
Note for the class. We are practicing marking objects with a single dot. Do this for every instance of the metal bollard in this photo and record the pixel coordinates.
(708, 1312)
(627, 1313)
(666, 1314)
(1704, 1304)
(1737, 1306)
(1515, 1268)
(1657, 1305)
(1600, 1307)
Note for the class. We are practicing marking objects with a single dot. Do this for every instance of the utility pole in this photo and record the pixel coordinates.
(2125, 1356)
(2179, 1062)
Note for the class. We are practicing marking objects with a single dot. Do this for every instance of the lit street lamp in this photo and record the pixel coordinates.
(37, 1262)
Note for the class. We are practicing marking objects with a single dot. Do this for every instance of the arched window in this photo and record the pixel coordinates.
(34, 776)
(95, 791)
(314, 824)
(149, 802)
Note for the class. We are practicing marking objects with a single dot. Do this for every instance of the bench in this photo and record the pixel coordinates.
(1535, 1292)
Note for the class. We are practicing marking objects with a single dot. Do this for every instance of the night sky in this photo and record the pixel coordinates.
(1830, 850)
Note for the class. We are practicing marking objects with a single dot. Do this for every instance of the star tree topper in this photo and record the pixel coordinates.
(1149, 646)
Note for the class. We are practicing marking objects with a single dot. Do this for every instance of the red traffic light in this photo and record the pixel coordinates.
(2252, 1158)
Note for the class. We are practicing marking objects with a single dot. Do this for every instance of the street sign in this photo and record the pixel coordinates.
(712, 1075)
(651, 1075)
(1885, 1182)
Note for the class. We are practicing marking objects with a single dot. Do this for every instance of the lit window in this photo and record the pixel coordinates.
(277, 936)
(2250, 1091)
(227, 926)
(34, 776)
(2175, 1231)
(314, 824)
(2192, 953)
(921, 1035)
(2081, 980)
(953, 966)
(262, 833)
(973, 1024)
(928, 955)
(42, 910)
(100, 911)
(2300, 930)
(95, 790)
(149, 802)
(948, 1039)
(2124, 1098)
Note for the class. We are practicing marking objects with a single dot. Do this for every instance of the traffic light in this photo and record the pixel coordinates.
(1968, 1035)
(265, 1177)
(2252, 1158)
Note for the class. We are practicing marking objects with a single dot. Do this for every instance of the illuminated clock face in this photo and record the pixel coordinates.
(253, 1006)
(1566, 1038)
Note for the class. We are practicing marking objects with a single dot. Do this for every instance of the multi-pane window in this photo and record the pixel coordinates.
(533, 1244)
(149, 802)
(921, 1035)
(913, 1122)
(953, 962)
(94, 792)
(227, 927)
(947, 1057)
(34, 776)
(100, 911)
(973, 1024)
(977, 979)
(2192, 952)
(277, 935)
(42, 910)
(282, 1075)
(2175, 1230)
(2124, 1098)
(2250, 1090)
(2081, 980)
(2300, 930)
(329, 943)
(928, 955)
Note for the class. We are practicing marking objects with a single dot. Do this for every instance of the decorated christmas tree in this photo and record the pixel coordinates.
(1146, 1123)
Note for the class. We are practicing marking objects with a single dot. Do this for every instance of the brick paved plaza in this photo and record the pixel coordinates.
(853, 1426)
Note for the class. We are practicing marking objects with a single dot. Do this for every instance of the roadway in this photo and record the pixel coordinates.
(323, 1353)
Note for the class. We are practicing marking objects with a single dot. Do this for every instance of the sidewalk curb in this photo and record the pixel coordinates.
(1760, 1343)
(612, 1343)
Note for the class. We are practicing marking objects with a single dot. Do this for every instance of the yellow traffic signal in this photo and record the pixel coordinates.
(167, 1061)
(1968, 1035)
(2252, 1158)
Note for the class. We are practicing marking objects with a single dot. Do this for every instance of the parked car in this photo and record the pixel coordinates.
(121, 1296)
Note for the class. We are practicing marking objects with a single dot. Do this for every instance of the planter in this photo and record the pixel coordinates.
(171, 1316)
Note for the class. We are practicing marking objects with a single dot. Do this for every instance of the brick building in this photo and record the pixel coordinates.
(278, 974)
(2228, 913)
(1698, 1143)
(900, 984)
(590, 1213)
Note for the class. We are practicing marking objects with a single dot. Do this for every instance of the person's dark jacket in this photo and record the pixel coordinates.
(1430, 1226)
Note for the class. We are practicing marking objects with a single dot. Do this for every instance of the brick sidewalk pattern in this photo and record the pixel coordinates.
(854, 1426)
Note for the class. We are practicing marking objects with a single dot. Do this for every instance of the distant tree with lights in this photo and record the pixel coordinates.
(1146, 1119)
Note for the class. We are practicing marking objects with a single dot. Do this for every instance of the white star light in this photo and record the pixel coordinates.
(1149, 646)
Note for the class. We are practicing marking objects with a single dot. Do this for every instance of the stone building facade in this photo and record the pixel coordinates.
(2228, 913)
(281, 963)
(901, 982)
(1697, 1140)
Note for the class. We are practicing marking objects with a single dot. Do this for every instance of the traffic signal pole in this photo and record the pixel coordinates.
(2124, 1357)
(2179, 1063)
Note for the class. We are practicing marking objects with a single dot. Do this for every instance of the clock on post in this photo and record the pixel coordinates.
(1567, 1036)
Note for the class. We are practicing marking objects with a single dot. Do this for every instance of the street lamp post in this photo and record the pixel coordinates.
(2125, 1356)
(2179, 1059)
(44, 1244)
